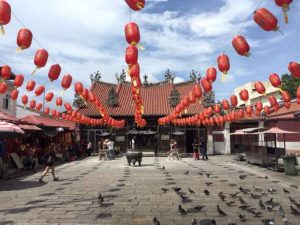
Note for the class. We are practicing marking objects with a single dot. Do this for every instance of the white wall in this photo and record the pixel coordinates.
(11, 104)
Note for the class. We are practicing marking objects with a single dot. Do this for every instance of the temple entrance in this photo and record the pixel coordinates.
(190, 136)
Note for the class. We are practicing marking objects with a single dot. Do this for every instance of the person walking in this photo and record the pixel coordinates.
(50, 164)
(110, 145)
(203, 149)
(195, 149)
(89, 149)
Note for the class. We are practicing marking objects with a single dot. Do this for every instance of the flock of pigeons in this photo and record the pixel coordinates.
(238, 199)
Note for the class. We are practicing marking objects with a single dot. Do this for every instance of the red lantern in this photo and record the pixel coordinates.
(217, 108)
(32, 104)
(298, 95)
(287, 105)
(3, 88)
(294, 68)
(225, 104)
(211, 74)
(186, 101)
(78, 88)
(59, 101)
(244, 95)
(223, 64)
(266, 20)
(233, 100)
(53, 112)
(241, 46)
(39, 90)
(39, 106)
(30, 85)
(5, 72)
(5, 14)
(49, 96)
(24, 39)
(275, 80)
(68, 107)
(249, 110)
(273, 100)
(259, 87)
(258, 106)
(40, 59)
(286, 97)
(197, 91)
(85, 94)
(47, 110)
(131, 56)
(92, 97)
(66, 81)
(206, 85)
(14, 94)
(24, 100)
(132, 33)
(267, 110)
(54, 72)
(136, 4)
(134, 70)
(241, 113)
(19, 79)
(192, 98)
(284, 4)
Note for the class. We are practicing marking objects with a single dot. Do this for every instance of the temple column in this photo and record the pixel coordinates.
(227, 144)
(210, 144)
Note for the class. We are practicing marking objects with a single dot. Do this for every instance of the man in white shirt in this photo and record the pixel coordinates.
(111, 151)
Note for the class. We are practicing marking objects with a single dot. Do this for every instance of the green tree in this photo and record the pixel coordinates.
(290, 84)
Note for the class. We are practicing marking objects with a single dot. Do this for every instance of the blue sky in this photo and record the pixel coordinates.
(86, 36)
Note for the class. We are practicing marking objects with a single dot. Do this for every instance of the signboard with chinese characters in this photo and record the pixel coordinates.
(164, 137)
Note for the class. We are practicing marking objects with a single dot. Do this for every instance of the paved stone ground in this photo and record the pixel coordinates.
(133, 195)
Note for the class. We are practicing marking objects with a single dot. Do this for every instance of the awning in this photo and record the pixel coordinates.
(48, 122)
(7, 117)
(178, 133)
(29, 127)
(276, 130)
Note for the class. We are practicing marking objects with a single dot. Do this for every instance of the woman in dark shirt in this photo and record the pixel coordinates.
(50, 164)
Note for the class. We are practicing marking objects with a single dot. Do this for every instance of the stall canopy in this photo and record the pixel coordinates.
(9, 131)
(7, 117)
(246, 131)
(48, 122)
(29, 127)
(276, 130)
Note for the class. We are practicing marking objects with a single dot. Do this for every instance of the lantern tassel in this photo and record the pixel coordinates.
(2, 30)
(18, 49)
(140, 5)
(286, 18)
(62, 92)
(223, 77)
(33, 72)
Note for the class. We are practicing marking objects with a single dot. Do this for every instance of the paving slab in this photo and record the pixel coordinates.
(133, 195)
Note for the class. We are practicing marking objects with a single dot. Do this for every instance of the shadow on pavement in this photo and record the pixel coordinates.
(21, 185)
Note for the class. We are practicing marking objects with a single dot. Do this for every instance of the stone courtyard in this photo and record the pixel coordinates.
(133, 195)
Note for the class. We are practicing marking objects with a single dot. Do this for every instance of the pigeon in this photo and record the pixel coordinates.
(234, 195)
(164, 190)
(261, 204)
(194, 222)
(207, 175)
(254, 196)
(243, 177)
(208, 183)
(242, 201)
(181, 210)
(101, 199)
(268, 221)
(206, 192)
(155, 221)
(271, 190)
(269, 202)
(176, 189)
(196, 209)
(191, 191)
(266, 177)
(257, 189)
(292, 200)
(281, 211)
(244, 190)
(269, 208)
(186, 172)
(298, 205)
(242, 217)
(294, 211)
(200, 173)
(244, 207)
(285, 191)
(220, 211)
(184, 198)
(264, 194)
(207, 222)
(231, 223)
(230, 203)
(257, 214)
(163, 168)
(222, 196)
